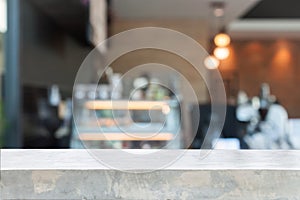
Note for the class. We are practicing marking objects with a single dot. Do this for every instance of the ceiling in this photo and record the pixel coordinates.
(195, 9)
(269, 19)
(274, 9)
(244, 18)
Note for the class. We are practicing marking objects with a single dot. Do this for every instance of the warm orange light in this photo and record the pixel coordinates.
(222, 40)
(125, 137)
(221, 53)
(127, 105)
(211, 62)
(282, 57)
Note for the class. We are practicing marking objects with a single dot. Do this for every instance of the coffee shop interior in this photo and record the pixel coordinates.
(54, 96)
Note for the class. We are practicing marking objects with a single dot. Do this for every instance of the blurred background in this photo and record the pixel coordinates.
(254, 44)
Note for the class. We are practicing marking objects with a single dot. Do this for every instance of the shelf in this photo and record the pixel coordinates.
(125, 137)
(96, 128)
(135, 128)
(128, 105)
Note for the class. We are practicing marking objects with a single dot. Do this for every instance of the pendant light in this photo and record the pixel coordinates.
(221, 53)
(222, 39)
(211, 62)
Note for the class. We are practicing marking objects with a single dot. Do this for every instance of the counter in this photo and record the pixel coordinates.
(217, 174)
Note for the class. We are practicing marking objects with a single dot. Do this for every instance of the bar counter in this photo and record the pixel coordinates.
(195, 174)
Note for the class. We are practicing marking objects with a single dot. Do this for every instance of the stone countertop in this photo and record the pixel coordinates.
(170, 159)
(192, 174)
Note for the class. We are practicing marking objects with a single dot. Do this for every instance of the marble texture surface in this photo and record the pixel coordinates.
(218, 174)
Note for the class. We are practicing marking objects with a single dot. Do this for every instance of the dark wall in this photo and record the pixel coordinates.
(48, 54)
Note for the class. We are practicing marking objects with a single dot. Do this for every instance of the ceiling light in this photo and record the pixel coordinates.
(211, 62)
(218, 8)
(221, 53)
(222, 40)
(219, 12)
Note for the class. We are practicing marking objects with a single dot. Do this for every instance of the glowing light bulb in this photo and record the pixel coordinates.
(221, 53)
(222, 40)
(211, 62)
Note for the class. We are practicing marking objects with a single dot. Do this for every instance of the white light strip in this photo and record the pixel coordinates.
(3, 16)
(265, 28)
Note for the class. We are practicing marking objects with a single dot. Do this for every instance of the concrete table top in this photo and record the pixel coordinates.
(185, 159)
(192, 174)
